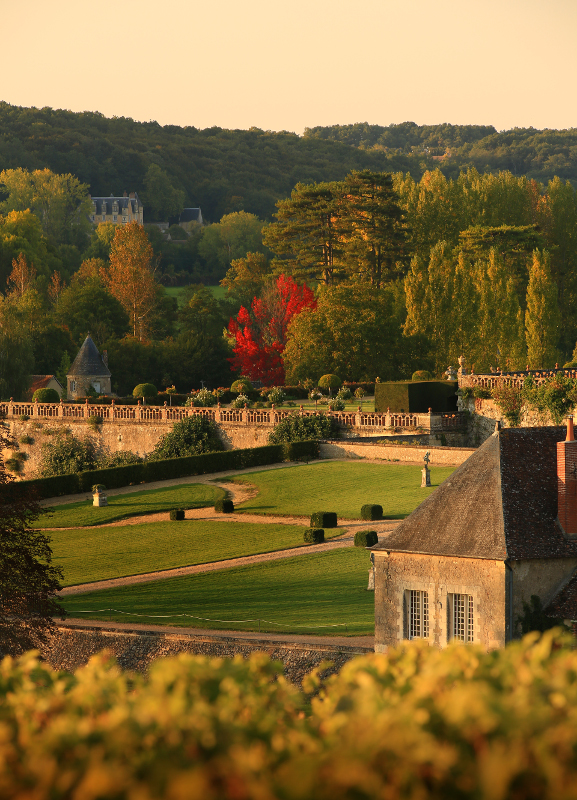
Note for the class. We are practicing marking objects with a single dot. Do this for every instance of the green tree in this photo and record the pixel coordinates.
(60, 202)
(372, 224)
(247, 277)
(87, 307)
(67, 454)
(28, 579)
(190, 437)
(542, 318)
(161, 199)
(233, 237)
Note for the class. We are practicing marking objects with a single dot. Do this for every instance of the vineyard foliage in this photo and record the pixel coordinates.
(415, 723)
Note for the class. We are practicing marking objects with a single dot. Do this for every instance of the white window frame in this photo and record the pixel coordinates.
(416, 614)
(460, 617)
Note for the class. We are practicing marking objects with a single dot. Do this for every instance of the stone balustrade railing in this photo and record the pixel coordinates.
(515, 379)
(71, 412)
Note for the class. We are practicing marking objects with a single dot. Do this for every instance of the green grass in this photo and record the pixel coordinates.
(176, 291)
(342, 487)
(121, 506)
(218, 292)
(104, 553)
(300, 594)
(368, 405)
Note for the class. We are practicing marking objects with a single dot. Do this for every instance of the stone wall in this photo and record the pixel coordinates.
(484, 579)
(543, 577)
(72, 646)
(395, 451)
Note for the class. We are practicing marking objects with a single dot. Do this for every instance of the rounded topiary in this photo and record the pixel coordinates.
(422, 375)
(314, 535)
(46, 396)
(371, 512)
(329, 381)
(241, 386)
(145, 390)
(177, 514)
(224, 506)
(324, 519)
(366, 538)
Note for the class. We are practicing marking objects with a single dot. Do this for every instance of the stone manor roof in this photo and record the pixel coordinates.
(89, 362)
(501, 503)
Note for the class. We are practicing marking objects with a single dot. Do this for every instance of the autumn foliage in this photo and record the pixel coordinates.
(261, 334)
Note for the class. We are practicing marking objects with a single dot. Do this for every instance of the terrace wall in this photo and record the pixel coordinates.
(138, 428)
(71, 647)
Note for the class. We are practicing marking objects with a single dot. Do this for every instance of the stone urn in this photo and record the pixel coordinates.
(99, 498)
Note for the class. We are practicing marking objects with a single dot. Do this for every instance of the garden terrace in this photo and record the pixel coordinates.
(515, 379)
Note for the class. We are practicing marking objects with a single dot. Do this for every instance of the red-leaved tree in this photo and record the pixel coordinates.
(261, 333)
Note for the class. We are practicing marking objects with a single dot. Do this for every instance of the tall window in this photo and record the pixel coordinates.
(461, 617)
(416, 614)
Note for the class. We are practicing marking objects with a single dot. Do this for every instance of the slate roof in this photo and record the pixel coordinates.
(564, 604)
(190, 215)
(104, 204)
(500, 503)
(89, 362)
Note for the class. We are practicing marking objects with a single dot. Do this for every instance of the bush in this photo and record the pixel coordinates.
(241, 401)
(241, 386)
(366, 538)
(204, 398)
(190, 436)
(314, 535)
(46, 396)
(121, 459)
(297, 428)
(13, 464)
(66, 455)
(371, 512)
(26, 439)
(337, 404)
(145, 390)
(323, 519)
(223, 506)
(177, 514)
(23, 417)
(276, 396)
(421, 375)
(345, 394)
(329, 381)
(95, 421)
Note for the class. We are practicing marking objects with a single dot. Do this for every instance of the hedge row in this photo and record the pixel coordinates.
(147, 471)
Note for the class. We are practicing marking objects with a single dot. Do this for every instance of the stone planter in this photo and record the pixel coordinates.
(99, 499)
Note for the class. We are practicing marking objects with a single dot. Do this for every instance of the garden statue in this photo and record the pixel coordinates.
(99, 498)
(461, 371)
(426, 472)
(451, 373)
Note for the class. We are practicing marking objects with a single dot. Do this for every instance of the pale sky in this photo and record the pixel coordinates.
(295, 64)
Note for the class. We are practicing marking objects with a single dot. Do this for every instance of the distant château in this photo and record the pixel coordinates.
(117, 210)
(190, 218)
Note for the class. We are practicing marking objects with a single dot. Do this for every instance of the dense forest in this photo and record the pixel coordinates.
(223, 171)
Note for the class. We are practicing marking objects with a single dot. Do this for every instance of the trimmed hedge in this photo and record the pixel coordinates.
(177, 514)
(416, 397)
(371, 512)
(223, 506)
(324, 519)
(366, 538)
(148, 471)
(314, 535)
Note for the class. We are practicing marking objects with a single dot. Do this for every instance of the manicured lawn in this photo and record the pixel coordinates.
(102, 553)
(368, 405)
(300, 594)
(342, 487)
(120, 506)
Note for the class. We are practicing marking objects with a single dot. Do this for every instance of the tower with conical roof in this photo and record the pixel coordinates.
(89, 370)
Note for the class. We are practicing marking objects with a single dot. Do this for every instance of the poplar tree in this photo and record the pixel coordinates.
(542, 317)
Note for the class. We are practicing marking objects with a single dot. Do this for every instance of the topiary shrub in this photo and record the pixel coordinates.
(189, 437)
(241, 401)
(241, 385)
(421, 375)
(371, 512)
(329, 382)
(224, 506)
(314, 535)
(46, 396)
(345, 394)
(145, 390)
(324, 519)
(177, 514)
(366, 538)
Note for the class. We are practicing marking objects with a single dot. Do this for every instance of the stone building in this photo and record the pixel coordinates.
(501, 528)
(89, 370)
(45, 382)
(118, 210)
(190, 218)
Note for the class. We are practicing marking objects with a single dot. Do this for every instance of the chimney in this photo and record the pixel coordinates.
(105, 357)
(132, 194)
(124, 194)
(567, 481)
